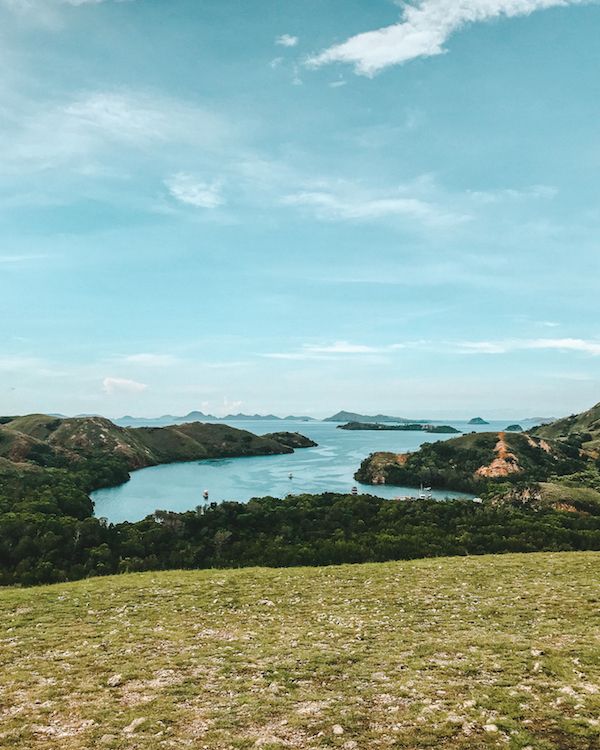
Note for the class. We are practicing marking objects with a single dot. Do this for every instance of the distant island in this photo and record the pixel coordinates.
(199, 416)
(442, 429)
(349, 416)
(514, 428)
(477, 420)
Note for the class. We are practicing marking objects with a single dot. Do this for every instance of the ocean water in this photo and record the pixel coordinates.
(328, 468)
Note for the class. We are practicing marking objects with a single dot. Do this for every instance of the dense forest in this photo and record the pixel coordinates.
(47, 532)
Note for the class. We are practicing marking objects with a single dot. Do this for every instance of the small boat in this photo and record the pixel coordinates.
(354, 490)
(290, 475)
(205, 494)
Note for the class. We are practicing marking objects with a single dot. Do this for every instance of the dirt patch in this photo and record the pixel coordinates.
(504, 464)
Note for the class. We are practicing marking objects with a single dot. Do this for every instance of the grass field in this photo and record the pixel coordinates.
(488, 652)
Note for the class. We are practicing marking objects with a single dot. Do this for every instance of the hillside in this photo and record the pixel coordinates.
(492, 464)
(452, 654)
(51, 441)
(585, 426)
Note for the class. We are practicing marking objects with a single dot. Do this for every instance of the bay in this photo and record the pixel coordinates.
(330, 467)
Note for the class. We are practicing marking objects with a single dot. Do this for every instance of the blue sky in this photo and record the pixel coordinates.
(265, 205)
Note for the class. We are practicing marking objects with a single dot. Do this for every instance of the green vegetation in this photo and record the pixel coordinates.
(493, 465)
(452, 654)
(477, 420)
(50, 441)
(291, 439)
(442, 429)
(585, 427)
(514, 428)
(48, 536)
(350, 416)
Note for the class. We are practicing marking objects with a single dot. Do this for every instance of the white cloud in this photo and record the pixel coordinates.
(151, 360)
(340, 347)
(539, 192)
(186, 189)
(346, 202)
(330, 351)
(79, 132)
(116, 386)
(423, 31)
(511, 345)
(287, 40)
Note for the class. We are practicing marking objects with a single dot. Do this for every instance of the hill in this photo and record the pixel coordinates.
(51, 441)
(584, 426)
(477, 420)
(441, 429)
(349, 416)
(453, 654)
(493, 465)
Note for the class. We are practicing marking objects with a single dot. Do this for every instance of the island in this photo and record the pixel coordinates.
(349, 416)
(441, 429)
(514, 428)
(477, 420)
(291, 440)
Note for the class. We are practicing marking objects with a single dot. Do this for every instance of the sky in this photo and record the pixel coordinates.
(273, 206)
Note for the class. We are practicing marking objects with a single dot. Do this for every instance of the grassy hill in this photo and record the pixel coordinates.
(524, 468)
(452, 654)
(585, 426)
(52, 441)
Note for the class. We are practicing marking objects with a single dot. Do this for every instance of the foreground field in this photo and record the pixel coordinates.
(448, 653)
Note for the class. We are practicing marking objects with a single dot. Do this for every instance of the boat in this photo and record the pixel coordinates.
(290, 475)
(354, 490)
(205, 494)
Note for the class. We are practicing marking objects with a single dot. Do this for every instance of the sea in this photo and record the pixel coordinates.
(329, 467)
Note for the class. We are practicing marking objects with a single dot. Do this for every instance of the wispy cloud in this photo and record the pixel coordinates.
(425, 28)
(512, 345)
(78, 132)
(287, 40)
(341, 349)
(332, 351)
(116, 386)
(533, 192)
(187, 189)
(343, 201)
(151, 360)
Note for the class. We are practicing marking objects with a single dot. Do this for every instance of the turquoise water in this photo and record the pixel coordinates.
(328, 468)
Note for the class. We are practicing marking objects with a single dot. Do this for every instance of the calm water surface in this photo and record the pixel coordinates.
(328, 468)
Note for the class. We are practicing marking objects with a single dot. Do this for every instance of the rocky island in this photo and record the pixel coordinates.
(442, 429)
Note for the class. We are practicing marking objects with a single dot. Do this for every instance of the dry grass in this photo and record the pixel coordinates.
(490, 652)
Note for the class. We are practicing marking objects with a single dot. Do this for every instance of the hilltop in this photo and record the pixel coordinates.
(585, 427)
(53, 441)
(349, 416)
(523, 467)
(453, 654)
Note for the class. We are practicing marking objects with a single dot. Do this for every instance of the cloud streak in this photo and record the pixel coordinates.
(119, 386)
(186, 189)
(423, 31)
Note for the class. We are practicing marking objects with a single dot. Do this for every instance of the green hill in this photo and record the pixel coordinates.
(584, 426)
(452, 654)
(51, 441)
(505, 464)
